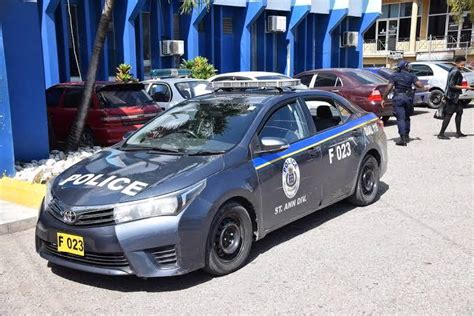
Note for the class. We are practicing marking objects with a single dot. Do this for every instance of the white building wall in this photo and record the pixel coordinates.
(231, 3)
(280, 5)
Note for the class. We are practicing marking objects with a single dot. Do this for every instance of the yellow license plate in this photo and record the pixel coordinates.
(70, 244)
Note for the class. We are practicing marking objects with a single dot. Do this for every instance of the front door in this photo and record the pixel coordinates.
(289, 182)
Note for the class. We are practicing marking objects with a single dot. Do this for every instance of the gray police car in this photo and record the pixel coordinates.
(197, 185)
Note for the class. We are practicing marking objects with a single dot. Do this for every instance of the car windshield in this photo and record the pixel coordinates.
(365, 77)
(124, 98)
(448, 66)
(191, 89)
(272, 77)
(197, 126)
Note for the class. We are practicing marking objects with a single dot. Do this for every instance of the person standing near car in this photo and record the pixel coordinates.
(453, 104)
(402, 82)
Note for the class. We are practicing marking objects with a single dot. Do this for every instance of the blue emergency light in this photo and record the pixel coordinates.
(169, 73)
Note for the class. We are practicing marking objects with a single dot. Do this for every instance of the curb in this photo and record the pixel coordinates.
(21, 192)
(18, 225)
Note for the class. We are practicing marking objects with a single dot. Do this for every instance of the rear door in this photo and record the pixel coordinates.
(289, 182)
(340, 146)
(327, 81)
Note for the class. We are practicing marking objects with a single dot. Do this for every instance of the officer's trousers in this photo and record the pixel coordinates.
(403, 108)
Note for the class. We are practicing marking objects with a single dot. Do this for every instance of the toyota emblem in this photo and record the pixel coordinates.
(69, 217)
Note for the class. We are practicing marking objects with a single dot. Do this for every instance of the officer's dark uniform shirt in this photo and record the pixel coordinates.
(403, 81)
(454, 79)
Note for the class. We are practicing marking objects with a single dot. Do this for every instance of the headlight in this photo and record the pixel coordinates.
(169, 204)
(48, 197)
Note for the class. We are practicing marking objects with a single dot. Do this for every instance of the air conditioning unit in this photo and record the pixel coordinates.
(172, 48)
(276, 24)
(350, 39)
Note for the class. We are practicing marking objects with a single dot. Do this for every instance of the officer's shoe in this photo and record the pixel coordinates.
(402, 141)
(459, 135)
(442, 136)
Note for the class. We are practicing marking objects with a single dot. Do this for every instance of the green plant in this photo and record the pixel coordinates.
(123, 74)
(188, 5)
(458, 7)
(200, 67)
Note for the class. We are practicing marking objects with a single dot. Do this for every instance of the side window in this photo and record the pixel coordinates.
(288, 122)
(306, 80)
(160, 93)
(325, 80)
(339, 82)
(327, 114)
(72, 98)
(422, 70)
(53, 97)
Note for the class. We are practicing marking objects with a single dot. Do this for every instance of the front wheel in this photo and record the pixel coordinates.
(367, 185)
(229, 241)
(436, 98)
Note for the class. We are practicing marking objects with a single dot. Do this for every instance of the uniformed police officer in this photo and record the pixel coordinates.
(402, 82)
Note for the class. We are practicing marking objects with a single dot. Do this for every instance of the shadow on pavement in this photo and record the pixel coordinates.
(176, 283)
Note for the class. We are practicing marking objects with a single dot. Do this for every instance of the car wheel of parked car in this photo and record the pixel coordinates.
(367, 182)
(436, 97)
(385, 119)
(229, 241)
(87, 139)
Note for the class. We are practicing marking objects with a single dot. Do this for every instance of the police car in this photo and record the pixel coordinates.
(197, 185)
(168, 87)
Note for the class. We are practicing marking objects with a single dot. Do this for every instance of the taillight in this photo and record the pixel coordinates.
(464, 84)
(375, 96)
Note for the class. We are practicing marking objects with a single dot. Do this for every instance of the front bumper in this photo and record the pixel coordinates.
(153, 247)
(110, 135)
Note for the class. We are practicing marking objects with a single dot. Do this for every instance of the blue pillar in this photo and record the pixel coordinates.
(365, 22)
(50, 48)
(130, 40)
(7, 157)
(252, 12)
(21, 63)
(192, 37)
(298, 13)
(334, 19)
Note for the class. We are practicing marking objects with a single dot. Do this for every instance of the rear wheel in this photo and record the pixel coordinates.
(367, 185)
(435, 100)
(229, 241)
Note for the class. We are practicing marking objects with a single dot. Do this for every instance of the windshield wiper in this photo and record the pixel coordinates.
(206, 153)
(157, 150)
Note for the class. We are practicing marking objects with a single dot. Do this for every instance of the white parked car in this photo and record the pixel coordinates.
(169, 91)
(252, 75)
(436, 72)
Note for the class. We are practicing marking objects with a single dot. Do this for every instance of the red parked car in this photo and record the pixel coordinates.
(358, 86)
(116, 109)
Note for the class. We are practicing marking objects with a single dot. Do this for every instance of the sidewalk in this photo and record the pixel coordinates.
(15, 217)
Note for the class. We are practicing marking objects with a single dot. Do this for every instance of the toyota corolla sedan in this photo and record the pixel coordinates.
(197, 185)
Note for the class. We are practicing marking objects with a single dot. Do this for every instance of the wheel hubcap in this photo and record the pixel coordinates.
(436, 99)
(368, 180)
(228, 239)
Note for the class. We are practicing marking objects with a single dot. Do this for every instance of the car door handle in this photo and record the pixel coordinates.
(315, 151)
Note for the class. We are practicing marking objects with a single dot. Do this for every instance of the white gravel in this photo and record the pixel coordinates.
(40, 171)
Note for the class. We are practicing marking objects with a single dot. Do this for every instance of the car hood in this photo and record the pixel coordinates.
(113, 176)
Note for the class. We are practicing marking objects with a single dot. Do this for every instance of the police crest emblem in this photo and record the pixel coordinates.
(290, 177)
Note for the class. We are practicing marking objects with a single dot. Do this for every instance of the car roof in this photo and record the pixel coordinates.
(251, 74)
(171, 80)
(98, 84)
(335, 70)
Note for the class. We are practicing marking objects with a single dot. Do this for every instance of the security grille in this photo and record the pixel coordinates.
(227, 26)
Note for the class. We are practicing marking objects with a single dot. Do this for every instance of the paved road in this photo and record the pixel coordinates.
(410, 252)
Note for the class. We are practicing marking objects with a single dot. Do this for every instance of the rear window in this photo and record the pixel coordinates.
(365, 77)
(448, 66)
(124, 98)
(191, 89)
(53, 97)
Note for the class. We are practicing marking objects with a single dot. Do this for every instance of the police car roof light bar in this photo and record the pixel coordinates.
(255, 84)
(170, 73)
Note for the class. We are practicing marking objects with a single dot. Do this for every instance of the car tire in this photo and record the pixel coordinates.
(226, 253)
(435, 99)
(87, 138)
(367, 185)
(385, 119)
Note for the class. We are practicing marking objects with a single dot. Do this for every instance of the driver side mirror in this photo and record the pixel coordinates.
(272, 145)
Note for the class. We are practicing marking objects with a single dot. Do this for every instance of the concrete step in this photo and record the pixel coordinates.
(15, 217)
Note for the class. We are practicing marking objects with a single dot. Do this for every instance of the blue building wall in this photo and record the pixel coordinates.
(35, 50)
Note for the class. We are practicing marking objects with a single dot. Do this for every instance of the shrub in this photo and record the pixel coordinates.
(200, 67)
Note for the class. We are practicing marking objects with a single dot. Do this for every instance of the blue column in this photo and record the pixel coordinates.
(192, 37)
(130, 41)
(7, 156)
(48, 35)
(334, 19)
(365, 22)
(298, 13)
(252, 12)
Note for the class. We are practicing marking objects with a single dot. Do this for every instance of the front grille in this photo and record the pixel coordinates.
(103, 259)
(91, 217)
(165, 255)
